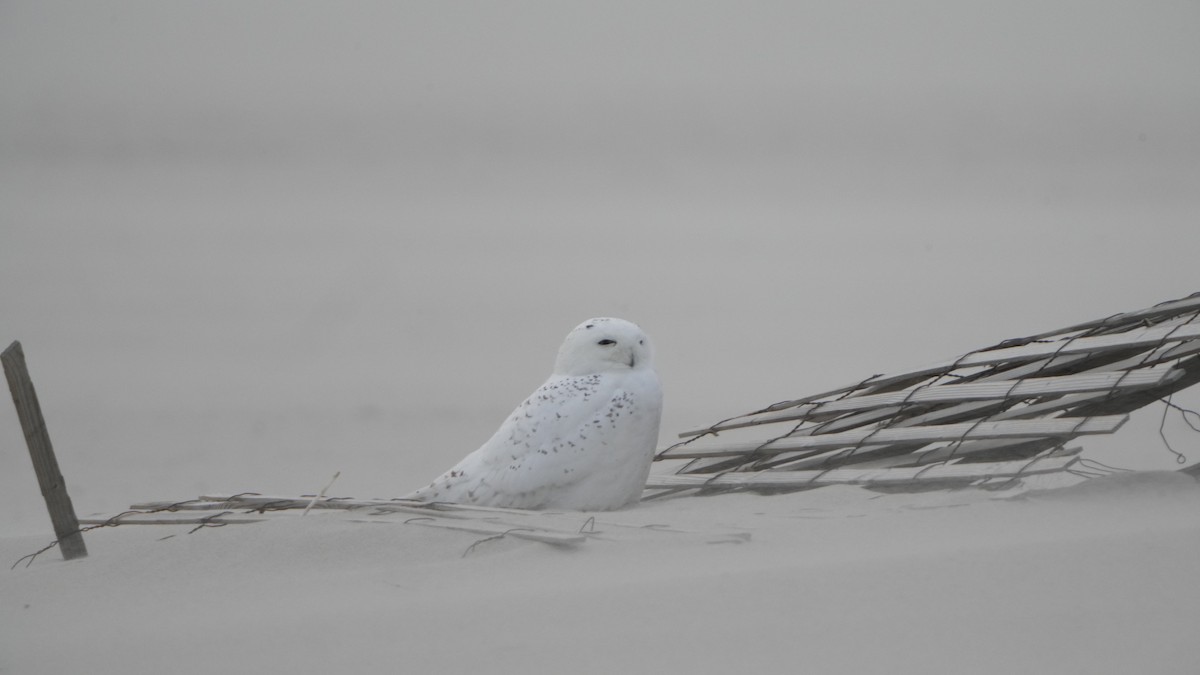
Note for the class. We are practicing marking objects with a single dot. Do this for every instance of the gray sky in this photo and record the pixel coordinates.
(1058, 79)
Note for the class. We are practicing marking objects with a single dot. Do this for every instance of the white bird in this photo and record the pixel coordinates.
(583, 441)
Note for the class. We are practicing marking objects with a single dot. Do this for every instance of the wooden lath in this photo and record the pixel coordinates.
(217, 510)
(1019, 400)
(561, 529)
(947, 472)
(1038, 387)
(883, 436)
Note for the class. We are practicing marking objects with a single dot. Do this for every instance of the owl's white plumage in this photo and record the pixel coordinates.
(583, 441)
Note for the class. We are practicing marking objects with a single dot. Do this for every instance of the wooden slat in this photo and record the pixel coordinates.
(1135, 338)
(980, 391)
(956, 452)
(557, 538)
(273, 504)
(1181, 306)
(887, 476)
(284, 503)
(1162, 354)
(1131, 339)
(1120, 405)
(172, 519)
(171, 507)
(215, 510)
(255, 503)
(1058, 427)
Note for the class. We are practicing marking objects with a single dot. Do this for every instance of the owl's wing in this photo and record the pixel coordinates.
(541, 447)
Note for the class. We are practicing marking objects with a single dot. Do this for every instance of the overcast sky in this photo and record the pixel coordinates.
(1084, 78)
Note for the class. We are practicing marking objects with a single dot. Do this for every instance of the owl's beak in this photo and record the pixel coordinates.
(632, 360)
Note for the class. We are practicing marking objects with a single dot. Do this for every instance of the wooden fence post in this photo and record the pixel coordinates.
(54, 488)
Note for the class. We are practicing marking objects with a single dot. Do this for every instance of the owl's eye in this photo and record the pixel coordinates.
(606, 342)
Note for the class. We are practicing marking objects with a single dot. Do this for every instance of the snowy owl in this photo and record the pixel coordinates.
(583, 441)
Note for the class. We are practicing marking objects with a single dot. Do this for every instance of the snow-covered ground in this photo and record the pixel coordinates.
(249, 245)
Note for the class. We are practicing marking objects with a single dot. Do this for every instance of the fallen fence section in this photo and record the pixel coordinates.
(253, 508)
(560, 529)
(992, 416)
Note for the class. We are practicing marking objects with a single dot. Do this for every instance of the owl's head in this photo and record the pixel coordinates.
(604, 345)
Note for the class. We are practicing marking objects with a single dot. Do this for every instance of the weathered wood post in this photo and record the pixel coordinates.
(54, 488)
